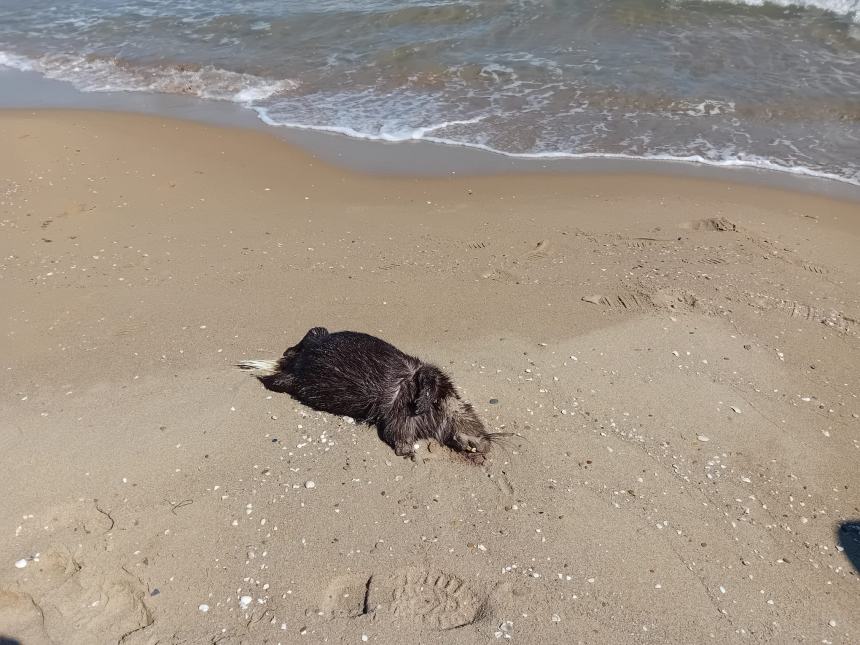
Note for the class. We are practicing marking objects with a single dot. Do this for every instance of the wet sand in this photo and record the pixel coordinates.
(677, 357)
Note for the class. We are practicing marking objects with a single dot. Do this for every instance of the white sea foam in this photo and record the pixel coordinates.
(389, 136)
(848, 8)
(724, 159)
(718, 159)
(13, 61)
(710, 107)
(106, 75)
(102, 75)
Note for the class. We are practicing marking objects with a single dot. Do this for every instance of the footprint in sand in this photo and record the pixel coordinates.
(21, 618)
(539, 252)
(829, 317)
(644, 243)
(76, 208)
(500, 275)
(62, 601)
(501, 481)
(672, 299)
(640, 244)
(439, 600)
(679, 300)
(793, 309)
(345, 596)
(132, 328)
(710, 224)
(814, 268)
(623, 302)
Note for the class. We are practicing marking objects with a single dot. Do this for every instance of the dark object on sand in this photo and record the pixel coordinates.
(849, 540)
(353, 374)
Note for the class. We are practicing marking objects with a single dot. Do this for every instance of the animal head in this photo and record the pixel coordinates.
(455, 421)
(467, 430)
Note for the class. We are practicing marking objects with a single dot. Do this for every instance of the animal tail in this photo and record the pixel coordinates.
(262, 368)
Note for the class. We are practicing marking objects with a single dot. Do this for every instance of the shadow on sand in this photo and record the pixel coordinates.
(848, 535)
(9, 641)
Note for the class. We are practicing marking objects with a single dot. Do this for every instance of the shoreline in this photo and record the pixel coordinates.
(676, 358)
(30, 90)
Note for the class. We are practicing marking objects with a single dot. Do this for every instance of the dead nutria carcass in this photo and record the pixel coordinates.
(357, 375)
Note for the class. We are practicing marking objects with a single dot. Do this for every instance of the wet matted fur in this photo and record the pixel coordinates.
(354, 374)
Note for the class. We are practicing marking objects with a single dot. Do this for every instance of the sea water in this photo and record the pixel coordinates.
(765, 84)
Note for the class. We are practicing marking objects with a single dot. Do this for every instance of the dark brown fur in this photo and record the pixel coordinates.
(353, 374)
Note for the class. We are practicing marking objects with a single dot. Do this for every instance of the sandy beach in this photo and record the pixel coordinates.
(677, 359)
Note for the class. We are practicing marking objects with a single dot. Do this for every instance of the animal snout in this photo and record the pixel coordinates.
(472, 443)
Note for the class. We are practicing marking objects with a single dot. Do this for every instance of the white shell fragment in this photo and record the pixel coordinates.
(505, 630)
(310, 484)
(244, 601)
(204, 608)
(20, 564)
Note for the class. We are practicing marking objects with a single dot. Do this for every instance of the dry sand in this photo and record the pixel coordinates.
(677, 357)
